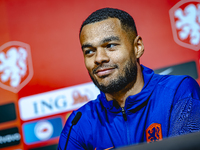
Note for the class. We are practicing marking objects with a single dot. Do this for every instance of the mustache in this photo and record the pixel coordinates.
(101, 67)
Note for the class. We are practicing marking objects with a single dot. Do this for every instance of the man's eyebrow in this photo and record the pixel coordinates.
(111, 38)
(105, 40)
(85, 46)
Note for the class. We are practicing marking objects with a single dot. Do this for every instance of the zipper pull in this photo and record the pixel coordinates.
(124, 114)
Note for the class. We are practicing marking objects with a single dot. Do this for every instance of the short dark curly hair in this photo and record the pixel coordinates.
(126, 20)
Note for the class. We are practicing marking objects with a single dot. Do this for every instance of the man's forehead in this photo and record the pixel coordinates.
(107, 24)
(100, 29)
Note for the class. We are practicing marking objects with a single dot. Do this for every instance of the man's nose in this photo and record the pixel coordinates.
(101, 56)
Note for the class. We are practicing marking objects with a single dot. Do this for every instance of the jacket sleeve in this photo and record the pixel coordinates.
(185, 113)
(74, 138)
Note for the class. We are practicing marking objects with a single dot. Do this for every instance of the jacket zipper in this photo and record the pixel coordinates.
(127, 128)
(124, 114)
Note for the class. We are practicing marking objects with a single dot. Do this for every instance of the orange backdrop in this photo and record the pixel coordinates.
(54, 62)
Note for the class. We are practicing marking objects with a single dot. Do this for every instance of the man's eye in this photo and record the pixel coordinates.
(110, 45)
(87, 52)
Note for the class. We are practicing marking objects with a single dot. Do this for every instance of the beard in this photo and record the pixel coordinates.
(115, 85)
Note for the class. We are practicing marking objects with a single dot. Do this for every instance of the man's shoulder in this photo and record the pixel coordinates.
(183, 86)
(167, 81)
(175, 81)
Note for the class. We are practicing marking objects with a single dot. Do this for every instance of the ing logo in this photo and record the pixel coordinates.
(154, 132)
(15, 65)
(185, 22)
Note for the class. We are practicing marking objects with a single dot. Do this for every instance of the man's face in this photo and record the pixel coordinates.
(109, 55)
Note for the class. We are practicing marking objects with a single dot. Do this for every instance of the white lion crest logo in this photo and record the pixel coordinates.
(13, 65)
(185, 21)
(189, 23)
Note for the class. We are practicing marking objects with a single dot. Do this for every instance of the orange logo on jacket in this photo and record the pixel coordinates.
(154, 132)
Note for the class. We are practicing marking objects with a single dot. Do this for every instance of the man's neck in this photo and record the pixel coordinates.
(132, 88)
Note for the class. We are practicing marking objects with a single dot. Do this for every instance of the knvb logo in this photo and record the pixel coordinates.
(185, 22)
(15, 66)
(154, 132)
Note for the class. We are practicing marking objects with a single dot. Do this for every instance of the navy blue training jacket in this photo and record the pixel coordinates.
(167, 106)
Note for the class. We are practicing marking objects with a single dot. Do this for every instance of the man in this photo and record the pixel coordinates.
(135, 105)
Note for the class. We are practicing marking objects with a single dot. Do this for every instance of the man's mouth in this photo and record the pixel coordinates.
(104, 71)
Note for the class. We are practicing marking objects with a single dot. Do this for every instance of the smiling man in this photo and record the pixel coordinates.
(135, 105)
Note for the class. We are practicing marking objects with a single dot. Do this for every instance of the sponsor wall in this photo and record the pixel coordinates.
(42, 73)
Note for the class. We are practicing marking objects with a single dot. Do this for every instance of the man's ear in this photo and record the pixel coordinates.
(138, 46)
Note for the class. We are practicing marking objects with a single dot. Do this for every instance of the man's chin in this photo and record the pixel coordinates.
(104, 82)
(101, 85)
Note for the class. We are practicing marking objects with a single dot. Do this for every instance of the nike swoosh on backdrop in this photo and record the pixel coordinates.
(166, 72)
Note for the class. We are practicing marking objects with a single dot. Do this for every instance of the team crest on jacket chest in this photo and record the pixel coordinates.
(154, 132)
